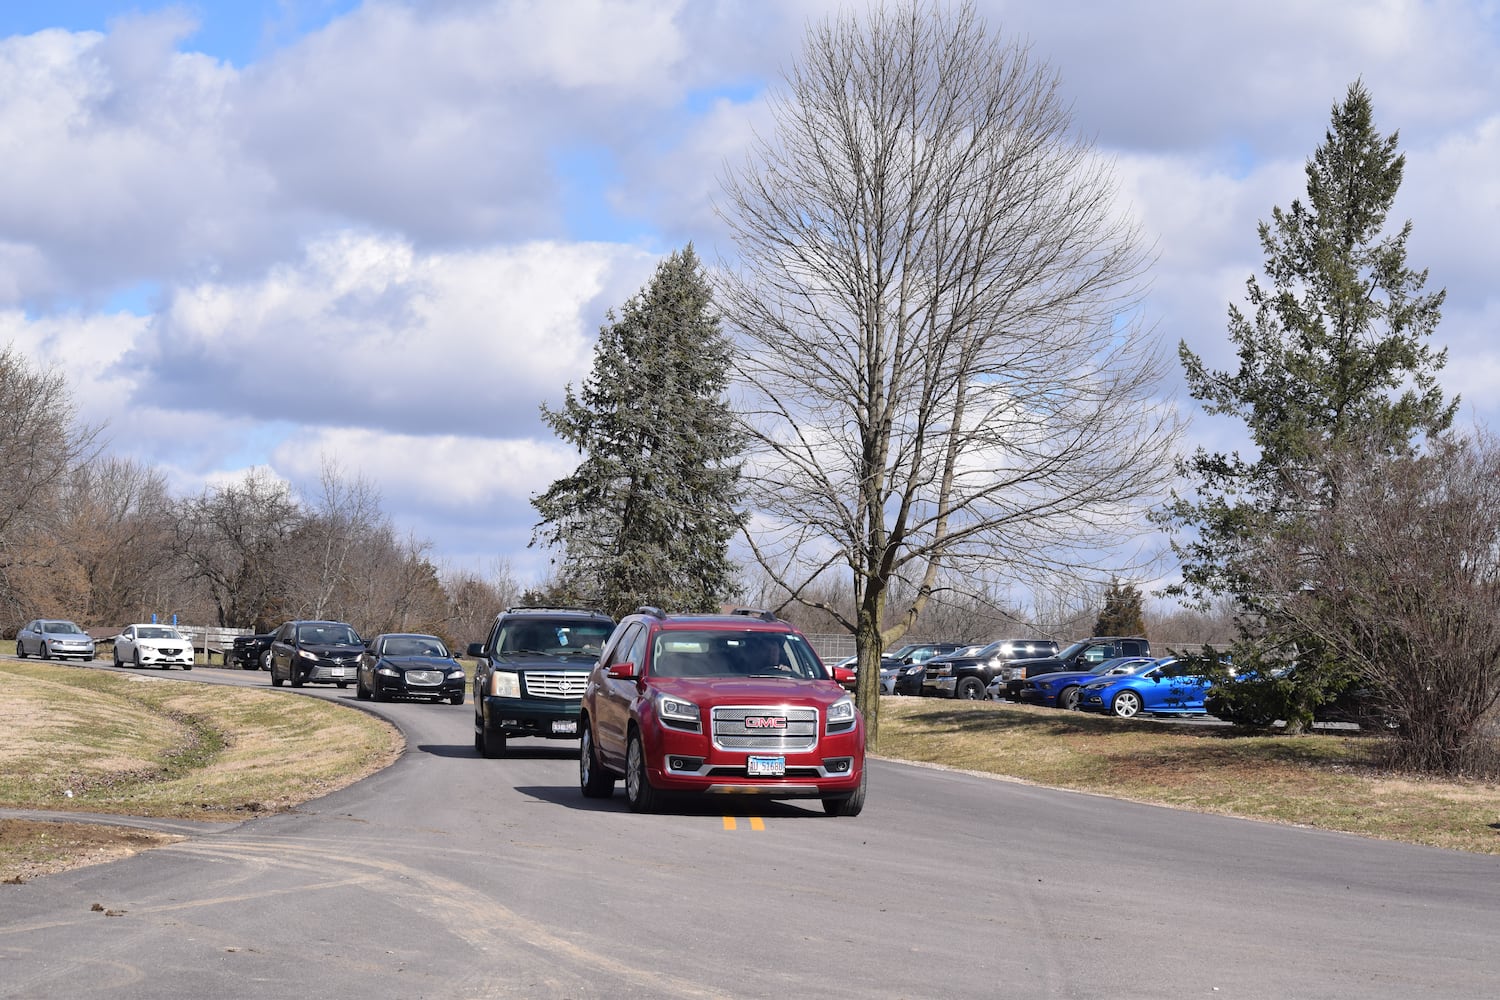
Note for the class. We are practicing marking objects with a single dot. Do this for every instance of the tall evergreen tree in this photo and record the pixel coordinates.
(1121, 614)
(647, 516)
(1334, 354)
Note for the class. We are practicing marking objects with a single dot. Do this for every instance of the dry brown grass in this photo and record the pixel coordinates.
(94, 741)
(1333, 782)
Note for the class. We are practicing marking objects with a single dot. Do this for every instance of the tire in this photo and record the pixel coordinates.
(187, 666)
(379, 693)
(46, 653)
(1068, 698)
(643, 798)
(457, 699)
(969, 689)
(848, 805)
(275, 681)
(118, 662)
(135, 660)
(489, 743)
(342, 685)
(360, 691)
(293, 677)
(265, 660)
(20, 649)
(593, 780)
(1126, 705)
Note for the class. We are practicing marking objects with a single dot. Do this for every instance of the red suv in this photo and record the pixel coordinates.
(718, 703)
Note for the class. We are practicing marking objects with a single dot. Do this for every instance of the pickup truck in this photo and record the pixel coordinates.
(249, 651)
(1082, 655)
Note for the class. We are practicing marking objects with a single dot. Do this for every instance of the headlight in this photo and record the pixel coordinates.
(841, 715)
(307, 653)
(915, 668)
(457, 673)
(677, 710)
(505, 684)
(388, 672)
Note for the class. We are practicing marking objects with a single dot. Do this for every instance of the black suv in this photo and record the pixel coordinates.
(531, 673)
(967, 677)
(250, 651)
(914, 655)
(1082, 655)
(315, 652)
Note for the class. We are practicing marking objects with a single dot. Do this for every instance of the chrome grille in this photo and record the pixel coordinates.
(554, 683)
(424, 677)
(732, 733)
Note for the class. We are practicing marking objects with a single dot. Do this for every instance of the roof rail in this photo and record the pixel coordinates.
(646, 609)
(761, 613)
(551, 607)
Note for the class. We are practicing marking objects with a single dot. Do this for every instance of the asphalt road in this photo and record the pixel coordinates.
(451, 876)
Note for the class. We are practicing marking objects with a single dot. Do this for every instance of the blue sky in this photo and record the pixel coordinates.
(425, 209)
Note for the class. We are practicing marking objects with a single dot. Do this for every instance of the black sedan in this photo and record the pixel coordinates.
(410, 665)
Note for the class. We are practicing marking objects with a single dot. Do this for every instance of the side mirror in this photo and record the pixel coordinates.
(476, 649)
(623, 671)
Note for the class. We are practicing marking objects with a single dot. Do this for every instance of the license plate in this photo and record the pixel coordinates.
(565, 726)
(337, 671)
(766, 767)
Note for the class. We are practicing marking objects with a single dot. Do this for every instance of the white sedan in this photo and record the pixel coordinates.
(153, 646)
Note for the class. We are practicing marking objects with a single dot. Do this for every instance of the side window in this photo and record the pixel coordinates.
(1097, 654)
(619, 650)
(636, 652)
(492, 643)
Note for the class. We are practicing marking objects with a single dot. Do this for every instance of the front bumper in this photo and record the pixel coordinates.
(401, 686)
(690, 762)
(166, 658)
(328, 673)
(546, 718)
(61, 649)
(940, 686)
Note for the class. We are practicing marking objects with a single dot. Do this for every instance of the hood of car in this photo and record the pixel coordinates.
(421, 662)
(331, 649)
(704, 691)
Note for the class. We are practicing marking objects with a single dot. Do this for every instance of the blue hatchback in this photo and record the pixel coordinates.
(1164, 688)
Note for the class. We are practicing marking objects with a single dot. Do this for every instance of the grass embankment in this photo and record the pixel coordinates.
(95, 741)
(1333, 782)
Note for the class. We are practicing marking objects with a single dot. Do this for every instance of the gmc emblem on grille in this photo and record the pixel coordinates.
(765, 722)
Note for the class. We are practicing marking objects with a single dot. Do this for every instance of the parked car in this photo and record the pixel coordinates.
(1060, 690)
(730, 704)
(1081, 655)
(915, 656)
(412, 665)
(531, 673)
(150, 645)
(315, 652)
(1164, 688)
(967, 675)
(53, 639)
(252, 652)
(846, 672)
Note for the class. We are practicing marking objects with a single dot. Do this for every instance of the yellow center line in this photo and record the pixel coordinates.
(756, 823)
(729, 823)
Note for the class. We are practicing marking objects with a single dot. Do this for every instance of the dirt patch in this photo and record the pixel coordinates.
(32, 848)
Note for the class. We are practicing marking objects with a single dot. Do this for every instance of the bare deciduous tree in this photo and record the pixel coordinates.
(1401, 580)
(40, 445)
(232, 540)
(944, 360)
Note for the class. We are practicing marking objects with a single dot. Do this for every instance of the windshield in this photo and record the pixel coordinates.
(156, 632)
(413, 645)
(720, 653)
(61, 628)
(1073, 650)
(559, 636)
(327, 635)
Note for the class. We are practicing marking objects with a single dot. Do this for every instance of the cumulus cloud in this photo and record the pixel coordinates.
(382, 240)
